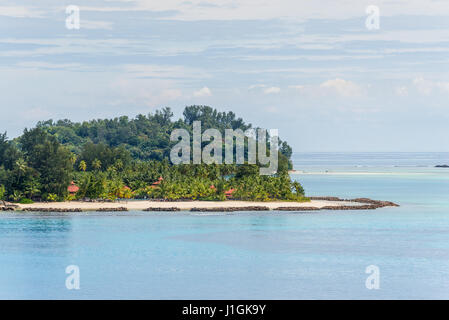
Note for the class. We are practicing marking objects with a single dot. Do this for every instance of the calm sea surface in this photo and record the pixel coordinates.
(272, 255)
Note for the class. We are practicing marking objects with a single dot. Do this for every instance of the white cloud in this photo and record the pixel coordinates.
(427, 87)
(148, 92)
(342, 87)
(105, 25)
(298, 87)
(401, 91)
(423, 86)
(272, 90)
(38, 65)
(164, 71)
(203, 92)
(444, 86)
(266, 89)
(20, 12)
(265, 9)
(256, 86)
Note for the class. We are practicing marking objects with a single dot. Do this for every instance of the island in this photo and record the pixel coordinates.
(125, 164)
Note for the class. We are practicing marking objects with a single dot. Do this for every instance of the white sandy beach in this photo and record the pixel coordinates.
(184, 205)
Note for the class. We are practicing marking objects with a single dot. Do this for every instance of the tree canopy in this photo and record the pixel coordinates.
(123, 157)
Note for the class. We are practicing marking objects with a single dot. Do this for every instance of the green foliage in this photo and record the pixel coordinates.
(212, 118)
(96, 164)
(9, 153)
(32, 188)
(247, 170)
(51, 197)
(16, 196)
(49, 158)
(102, 156)
(268, 188)
(92, 185)
(26, 201)
(2, 192)
(298, 189)
(123, 158)
(70, 197)
(82, 165)
(145, 137)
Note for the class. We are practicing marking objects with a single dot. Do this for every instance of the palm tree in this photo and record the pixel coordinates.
(32, 189)
(114, 187)
(118, 165)
(16, 196)
(21, 165)
(73, 158)
(298, 188)
(82, 166)
(96, 164)
(2, 192)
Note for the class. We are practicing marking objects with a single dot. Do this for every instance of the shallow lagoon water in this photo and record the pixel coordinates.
(246, 255)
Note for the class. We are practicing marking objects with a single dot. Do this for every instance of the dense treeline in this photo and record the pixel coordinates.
(146, 137)
(128, 158)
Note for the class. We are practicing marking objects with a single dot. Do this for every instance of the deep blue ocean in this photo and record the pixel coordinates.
(319, 255)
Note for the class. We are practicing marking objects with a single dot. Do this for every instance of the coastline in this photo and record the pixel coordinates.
(316, 203)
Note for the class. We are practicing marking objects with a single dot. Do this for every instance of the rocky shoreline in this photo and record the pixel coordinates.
(120, 209)
(171, 209)
(366, 203)
(359, 204)
(7, 206)
(51, 210)
(231, 209)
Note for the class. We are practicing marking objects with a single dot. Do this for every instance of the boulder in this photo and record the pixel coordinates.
(162, 209)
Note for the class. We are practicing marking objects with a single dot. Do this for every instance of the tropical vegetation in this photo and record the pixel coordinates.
(129, 158)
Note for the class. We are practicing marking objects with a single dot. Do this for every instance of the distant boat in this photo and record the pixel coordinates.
(442, 166)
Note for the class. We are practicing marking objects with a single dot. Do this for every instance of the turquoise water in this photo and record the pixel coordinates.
(250, 255)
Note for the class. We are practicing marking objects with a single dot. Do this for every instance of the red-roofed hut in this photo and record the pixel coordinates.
(73, 188)
(229, 192)
(156, 183)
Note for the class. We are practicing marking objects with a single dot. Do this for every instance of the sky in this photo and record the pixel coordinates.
(321, 72)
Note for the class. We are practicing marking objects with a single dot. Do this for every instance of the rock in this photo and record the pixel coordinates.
(52, 210)
(377, 203)
(162, 209)
(442, 166)
(7, 206)
(112, 209)
(326, 198)
(231, 209)
(365, 204)
(363, 207)
(297, 209)
(253, 208)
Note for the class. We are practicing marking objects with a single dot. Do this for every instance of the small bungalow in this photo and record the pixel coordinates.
(73, 188)
(228, 193)
(157, 183)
